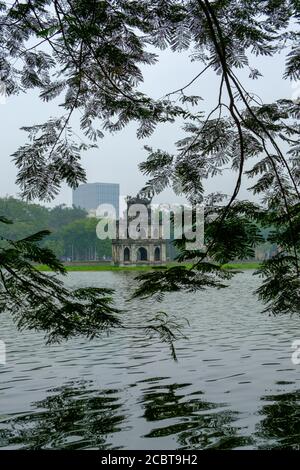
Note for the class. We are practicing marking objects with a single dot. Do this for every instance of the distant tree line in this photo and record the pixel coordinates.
(91, 56)
(73, 234)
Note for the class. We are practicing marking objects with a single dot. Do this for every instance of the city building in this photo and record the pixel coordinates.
(142, 250)
(90, 196)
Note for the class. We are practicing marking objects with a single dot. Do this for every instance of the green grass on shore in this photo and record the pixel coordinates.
(107, 267)
(97, 267)
(242, 266)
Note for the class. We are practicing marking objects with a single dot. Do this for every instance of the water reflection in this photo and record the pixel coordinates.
(72, 417)
(280, 426)
(234, 385)
(194, 421)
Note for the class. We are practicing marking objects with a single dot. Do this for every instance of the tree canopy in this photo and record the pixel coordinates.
(73, 234)
(90, 53)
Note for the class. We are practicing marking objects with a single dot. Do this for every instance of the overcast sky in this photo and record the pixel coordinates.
(116, 160)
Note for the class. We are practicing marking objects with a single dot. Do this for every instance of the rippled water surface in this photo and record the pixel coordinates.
(234, 385)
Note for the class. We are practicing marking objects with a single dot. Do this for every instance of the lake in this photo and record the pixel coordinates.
(234, 385)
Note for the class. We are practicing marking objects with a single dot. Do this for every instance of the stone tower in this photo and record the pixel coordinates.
(148, 247)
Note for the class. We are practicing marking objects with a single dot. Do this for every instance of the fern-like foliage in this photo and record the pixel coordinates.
(280, 290)
(41, 302)
(91, 56)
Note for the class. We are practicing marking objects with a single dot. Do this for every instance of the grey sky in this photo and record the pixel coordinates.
(118, 155)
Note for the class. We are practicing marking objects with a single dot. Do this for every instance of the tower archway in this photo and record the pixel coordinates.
(142, 254)
(157, 254)
(126, 254)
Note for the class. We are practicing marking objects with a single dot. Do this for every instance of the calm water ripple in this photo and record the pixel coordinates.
(234, 385)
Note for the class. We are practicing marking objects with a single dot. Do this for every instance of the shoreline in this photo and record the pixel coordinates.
(107, 267)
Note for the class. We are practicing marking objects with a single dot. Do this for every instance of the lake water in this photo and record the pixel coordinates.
(234, 385)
